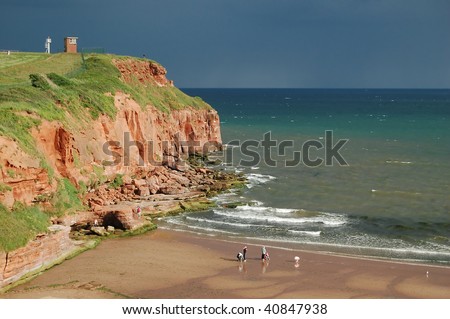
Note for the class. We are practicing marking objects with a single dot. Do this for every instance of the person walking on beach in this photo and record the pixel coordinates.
(244, 251)
(263, 252)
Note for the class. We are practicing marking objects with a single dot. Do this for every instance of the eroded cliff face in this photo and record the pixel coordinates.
(143, 143)
(138, 137)
(21, 175)
(135, 139)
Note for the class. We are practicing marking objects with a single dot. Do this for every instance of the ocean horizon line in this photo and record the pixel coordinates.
(312, 88)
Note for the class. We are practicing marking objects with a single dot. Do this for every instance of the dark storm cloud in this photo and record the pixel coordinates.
(253, 43)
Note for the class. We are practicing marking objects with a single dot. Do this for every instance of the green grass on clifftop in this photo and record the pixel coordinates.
(36, 87)
(16, 68)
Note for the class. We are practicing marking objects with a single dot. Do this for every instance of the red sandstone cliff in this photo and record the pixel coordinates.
(138, 140)
(137, 137)
(41, 252)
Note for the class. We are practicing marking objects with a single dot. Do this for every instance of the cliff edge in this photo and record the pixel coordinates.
(85, 133)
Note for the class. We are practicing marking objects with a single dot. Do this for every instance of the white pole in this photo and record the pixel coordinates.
(48, 45)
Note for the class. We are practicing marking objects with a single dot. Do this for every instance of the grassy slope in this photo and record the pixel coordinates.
(16, 68)
(62, 83)
(77, 88)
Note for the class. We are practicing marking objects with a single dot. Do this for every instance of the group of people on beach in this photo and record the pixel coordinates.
(242, 256)
(265, 258)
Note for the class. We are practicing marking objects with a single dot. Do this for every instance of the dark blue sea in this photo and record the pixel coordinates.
(390, 199)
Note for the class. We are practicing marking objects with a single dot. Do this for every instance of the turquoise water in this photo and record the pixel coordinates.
(392, 199)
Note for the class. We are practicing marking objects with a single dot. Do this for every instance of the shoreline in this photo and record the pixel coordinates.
(117, 215)
(171, 264)
(274, 244)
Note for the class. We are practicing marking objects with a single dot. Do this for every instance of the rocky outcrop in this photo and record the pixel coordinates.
(37, 254)
(136, 139)
(157, 191)
(162, 181)
(146, 72)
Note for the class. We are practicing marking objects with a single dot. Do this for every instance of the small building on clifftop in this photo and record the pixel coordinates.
(70, 44)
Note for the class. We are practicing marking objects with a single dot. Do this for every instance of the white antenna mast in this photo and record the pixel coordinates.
(47, 45)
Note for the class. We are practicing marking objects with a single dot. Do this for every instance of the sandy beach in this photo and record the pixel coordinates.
(168, 264)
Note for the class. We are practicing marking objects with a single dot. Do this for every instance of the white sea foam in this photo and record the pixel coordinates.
(306, 232)
(226, 198)
(266, 209)
(259, 215)
(257, 179)
(401, 253)
(284, 210)
(219, 222)
(399, 162)
(225, 195)
(256, 203)
(395, 192)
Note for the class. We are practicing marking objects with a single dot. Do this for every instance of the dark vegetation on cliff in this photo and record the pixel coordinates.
(72, 90)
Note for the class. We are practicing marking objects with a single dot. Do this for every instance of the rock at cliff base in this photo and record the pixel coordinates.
(100, 231)
(143, 191)
(139, 182)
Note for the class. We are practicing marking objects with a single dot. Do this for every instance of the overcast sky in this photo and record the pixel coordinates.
(253, 43)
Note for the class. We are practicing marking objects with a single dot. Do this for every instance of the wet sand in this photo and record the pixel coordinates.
(168, 264)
